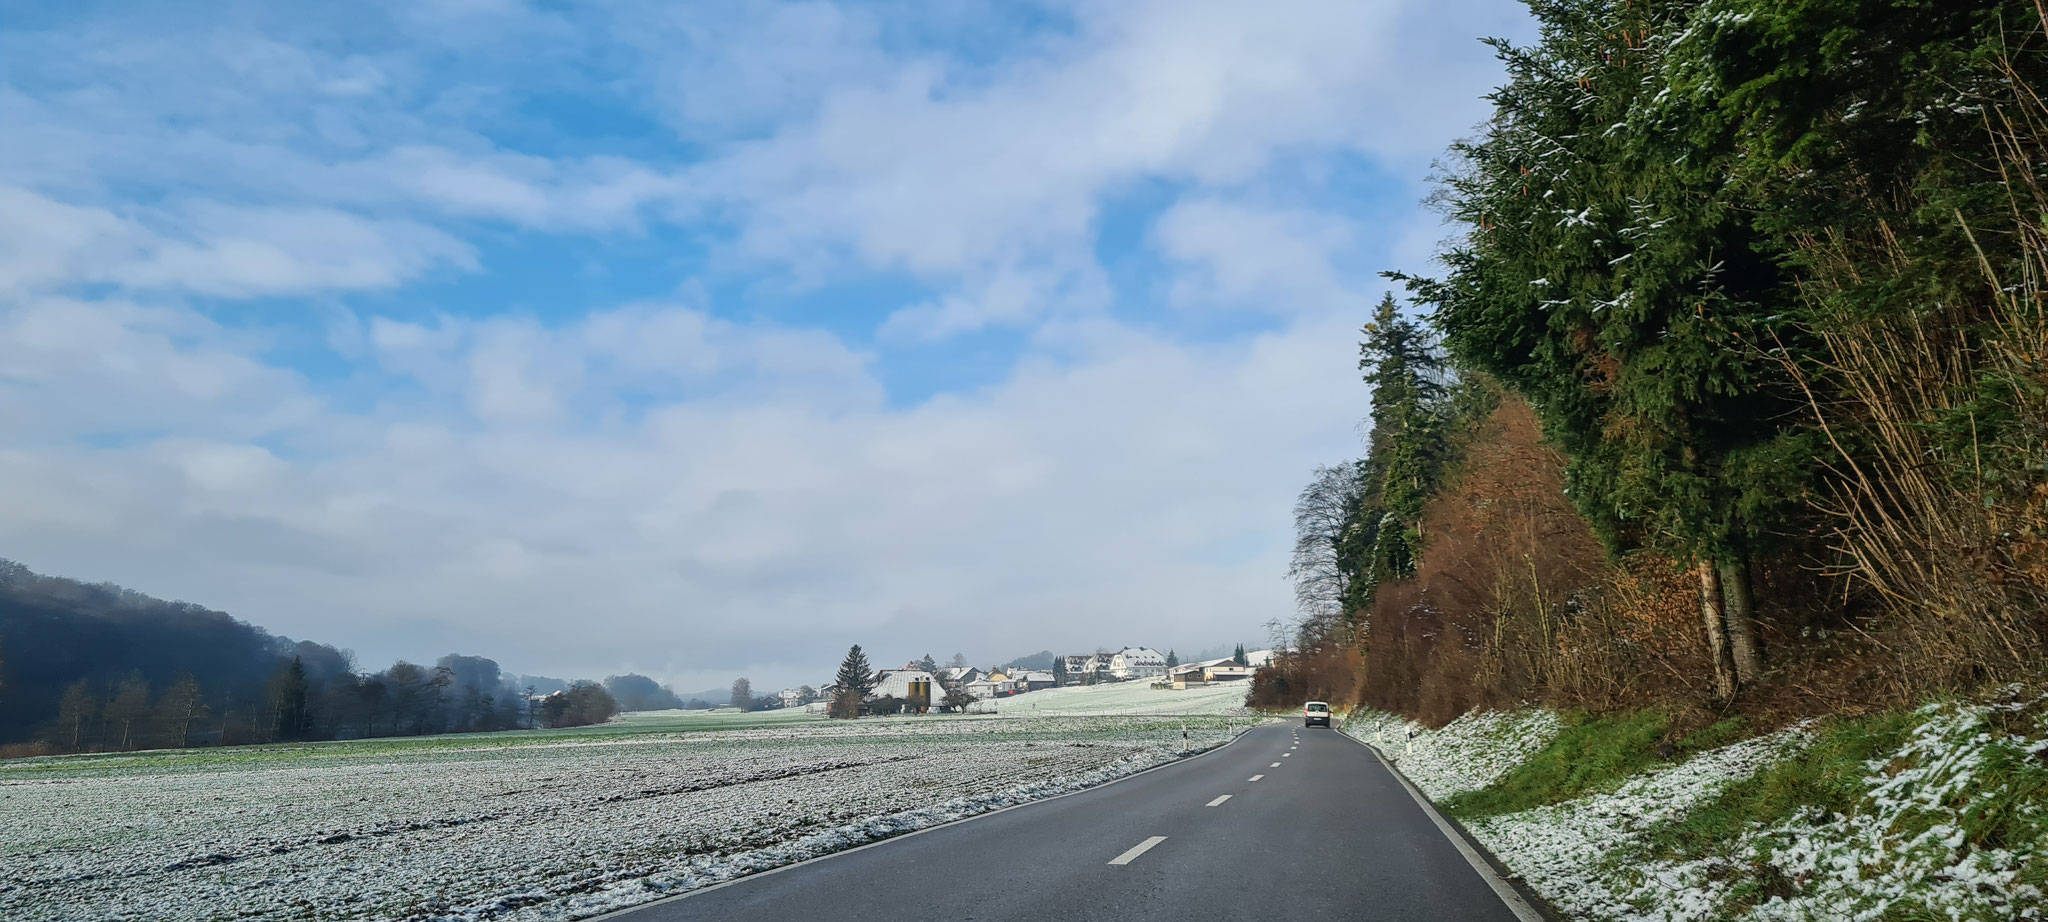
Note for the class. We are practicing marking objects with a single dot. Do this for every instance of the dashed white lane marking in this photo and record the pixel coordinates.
(1255, 777)
(1219, 801)
(1136, 850)
(1274, 765)
(1286, 755)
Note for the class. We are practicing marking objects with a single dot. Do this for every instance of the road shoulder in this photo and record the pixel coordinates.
(1525, 903)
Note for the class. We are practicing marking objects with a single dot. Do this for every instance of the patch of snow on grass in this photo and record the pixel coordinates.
(1466, 755)
(1568, 851)
(1905, 853)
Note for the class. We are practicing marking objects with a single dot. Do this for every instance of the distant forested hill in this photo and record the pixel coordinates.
(87, 667)
(1040, 660)
(56, 633)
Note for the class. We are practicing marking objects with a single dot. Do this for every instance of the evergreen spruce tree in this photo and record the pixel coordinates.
(855, 680)
(1612, 273)
(1405, 451)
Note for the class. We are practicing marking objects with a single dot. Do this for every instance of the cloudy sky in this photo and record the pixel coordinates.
(702, 339)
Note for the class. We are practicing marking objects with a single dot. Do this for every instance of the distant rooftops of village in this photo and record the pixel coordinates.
(1123, 665)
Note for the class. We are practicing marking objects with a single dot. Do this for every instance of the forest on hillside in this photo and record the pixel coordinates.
(1732, 388)
(95, 667)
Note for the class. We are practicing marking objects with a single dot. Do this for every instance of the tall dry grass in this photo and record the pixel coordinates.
(1939, 420)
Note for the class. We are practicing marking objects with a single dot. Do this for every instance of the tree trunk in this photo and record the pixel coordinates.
(1717, 634)
(1738, 606)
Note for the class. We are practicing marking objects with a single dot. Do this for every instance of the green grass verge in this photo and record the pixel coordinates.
(1828, 775)
(1590, 755)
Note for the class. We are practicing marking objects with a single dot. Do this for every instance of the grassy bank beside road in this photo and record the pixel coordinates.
(1935, 813)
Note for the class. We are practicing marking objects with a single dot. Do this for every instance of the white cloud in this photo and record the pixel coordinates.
(1024, 516)
(677, 485)
(1279, 260)
(972, 177)
(210, 249)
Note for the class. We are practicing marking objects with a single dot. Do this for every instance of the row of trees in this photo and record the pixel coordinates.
(458, 694)
(1771, 278)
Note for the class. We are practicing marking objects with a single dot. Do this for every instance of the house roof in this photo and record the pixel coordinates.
(897, 684)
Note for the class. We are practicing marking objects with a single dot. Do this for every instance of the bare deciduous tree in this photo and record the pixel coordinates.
(180, 707)
(1320, 515)
(129, 708)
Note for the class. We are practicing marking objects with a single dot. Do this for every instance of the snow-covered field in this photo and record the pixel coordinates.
(1122, 698)
(551, 825)
(1903, 852)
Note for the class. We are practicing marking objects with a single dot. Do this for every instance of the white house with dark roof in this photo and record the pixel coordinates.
(1137, 663)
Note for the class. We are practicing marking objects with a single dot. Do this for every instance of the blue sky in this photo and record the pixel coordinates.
(729, 333)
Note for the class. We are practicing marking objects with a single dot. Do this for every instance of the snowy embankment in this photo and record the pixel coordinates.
(490, 827)
(1467, 755)
(1924, 839)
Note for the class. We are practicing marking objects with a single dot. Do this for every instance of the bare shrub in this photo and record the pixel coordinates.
(25, 750)
(1514, 601)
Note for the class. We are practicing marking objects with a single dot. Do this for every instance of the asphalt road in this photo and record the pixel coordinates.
(1325, 832)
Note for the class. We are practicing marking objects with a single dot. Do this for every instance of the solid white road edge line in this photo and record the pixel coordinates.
(628, 910)
(1219, 801)
(1501, 888)
(1136, 850)
(1255, 777)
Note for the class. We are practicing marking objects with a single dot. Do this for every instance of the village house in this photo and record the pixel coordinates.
(1081, 667)
(995, 684)
(1225, 670)
(912, 685)
(1137, 663)
(1207, 671)
(1032, 680)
